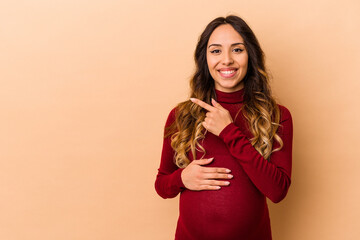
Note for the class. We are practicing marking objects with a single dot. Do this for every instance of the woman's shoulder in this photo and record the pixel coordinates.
(285, 114)
(172, 114)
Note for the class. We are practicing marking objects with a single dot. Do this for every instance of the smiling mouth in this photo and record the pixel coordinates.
(227, 73)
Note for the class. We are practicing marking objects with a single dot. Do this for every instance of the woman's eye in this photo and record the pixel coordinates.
(215, 51)
(238, 50)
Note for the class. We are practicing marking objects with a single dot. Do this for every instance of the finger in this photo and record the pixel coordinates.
(216, 170)
(216, 104)
(202, 104)
(209, 187)
(215, 183)
(205, 125)
(217, 176)
(203, 161)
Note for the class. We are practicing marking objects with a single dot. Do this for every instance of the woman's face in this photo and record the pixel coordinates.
(227, 58)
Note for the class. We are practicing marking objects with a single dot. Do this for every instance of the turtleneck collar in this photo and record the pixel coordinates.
(230, 97)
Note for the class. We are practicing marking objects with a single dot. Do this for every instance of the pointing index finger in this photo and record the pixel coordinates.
(202, 104)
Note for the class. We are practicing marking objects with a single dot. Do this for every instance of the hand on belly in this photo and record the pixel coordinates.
(197, 177)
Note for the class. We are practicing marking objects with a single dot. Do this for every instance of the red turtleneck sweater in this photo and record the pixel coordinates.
(237, 211)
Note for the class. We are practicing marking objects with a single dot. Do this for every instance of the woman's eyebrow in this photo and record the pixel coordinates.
(219, 45)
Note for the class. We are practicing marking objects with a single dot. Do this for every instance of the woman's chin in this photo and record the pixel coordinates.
(229, 86)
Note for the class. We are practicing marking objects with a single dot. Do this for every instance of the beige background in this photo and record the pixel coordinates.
(86, 87)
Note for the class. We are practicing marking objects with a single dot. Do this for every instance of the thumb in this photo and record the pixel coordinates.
(216, 104)
(203, 161)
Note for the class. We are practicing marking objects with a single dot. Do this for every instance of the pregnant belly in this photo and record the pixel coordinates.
(234, 210)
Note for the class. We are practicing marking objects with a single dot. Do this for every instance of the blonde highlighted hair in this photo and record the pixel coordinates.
(260, 109)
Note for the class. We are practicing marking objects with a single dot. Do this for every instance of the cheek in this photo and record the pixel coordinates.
(245, 65)
(245, 68)
(243, 61)
(211, 62)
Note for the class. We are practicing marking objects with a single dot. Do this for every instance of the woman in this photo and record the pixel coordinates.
(230, 146)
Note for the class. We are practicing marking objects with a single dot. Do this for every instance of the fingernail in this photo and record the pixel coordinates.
(192, 99)
(218, 187)
(230, 176)
(211, 158)
(227, 183)
(228, 170)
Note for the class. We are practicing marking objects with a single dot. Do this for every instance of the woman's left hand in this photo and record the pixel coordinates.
(217, 117)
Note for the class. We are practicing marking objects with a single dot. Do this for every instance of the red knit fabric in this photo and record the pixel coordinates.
(237, 211)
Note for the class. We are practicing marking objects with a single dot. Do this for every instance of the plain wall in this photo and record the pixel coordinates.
(86, 87)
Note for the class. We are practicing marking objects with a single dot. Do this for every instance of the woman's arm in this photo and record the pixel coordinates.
(171, 180)
(272, 177)
(168, 183)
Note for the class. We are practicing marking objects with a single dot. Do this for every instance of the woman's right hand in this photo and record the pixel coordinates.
(196, 177)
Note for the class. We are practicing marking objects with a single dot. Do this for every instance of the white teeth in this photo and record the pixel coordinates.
(227, 72)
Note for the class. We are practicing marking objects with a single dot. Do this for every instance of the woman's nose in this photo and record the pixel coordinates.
(227, 58)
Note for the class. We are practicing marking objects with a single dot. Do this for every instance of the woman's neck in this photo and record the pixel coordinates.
(230, 97)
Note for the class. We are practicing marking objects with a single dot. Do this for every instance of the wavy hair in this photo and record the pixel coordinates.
(260, 109)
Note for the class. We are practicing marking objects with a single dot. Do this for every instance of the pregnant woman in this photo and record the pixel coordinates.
(229, 147)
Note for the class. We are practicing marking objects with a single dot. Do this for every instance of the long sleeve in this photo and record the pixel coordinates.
(273, 177)
(168, 183)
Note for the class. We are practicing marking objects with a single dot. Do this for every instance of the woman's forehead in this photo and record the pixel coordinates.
(225, 35)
